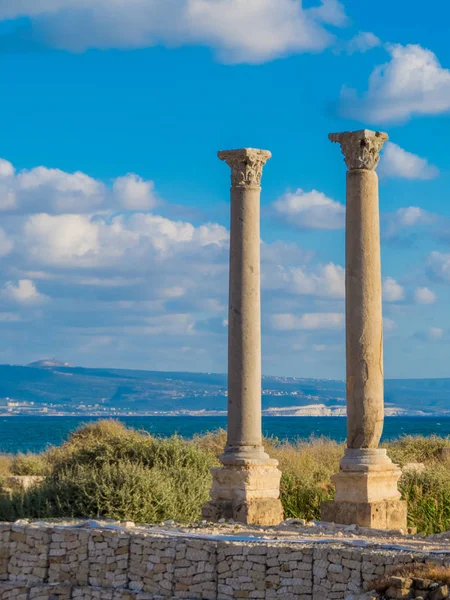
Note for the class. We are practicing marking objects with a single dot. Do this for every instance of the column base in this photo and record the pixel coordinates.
(366, 492)
(383, 514)
(247, 494)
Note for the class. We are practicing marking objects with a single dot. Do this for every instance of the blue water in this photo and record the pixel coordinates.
(34, 434)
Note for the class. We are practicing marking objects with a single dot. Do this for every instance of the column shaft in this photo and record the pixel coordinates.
(244, 321)
(364, 328)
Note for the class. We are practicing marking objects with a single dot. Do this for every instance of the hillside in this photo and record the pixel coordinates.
(42, 388)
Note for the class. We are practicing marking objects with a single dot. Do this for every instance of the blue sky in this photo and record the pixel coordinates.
(114, 224)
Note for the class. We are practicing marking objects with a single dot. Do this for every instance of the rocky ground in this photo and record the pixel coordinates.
(289, 530)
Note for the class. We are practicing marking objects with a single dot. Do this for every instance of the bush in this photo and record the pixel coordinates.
(106, 470)
(29, 464)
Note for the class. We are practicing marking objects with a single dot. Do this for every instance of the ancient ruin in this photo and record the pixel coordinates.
(366, 485)
(247, 487)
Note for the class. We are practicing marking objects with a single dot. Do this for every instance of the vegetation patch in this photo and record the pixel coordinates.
(107, 470)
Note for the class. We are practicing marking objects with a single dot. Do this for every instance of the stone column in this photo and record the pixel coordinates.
(247, 487)
(366, 486)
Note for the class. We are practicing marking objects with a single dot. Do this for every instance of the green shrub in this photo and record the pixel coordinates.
(107, 470)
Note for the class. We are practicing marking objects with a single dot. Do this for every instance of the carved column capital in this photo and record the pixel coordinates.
(360, 148)
(246, 165)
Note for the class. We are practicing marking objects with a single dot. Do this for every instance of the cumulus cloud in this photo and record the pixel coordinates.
(24, 291)
(396, 162)
(58, 192)
(310, 210)
(406, 218)
(392, 290)
(133, 193)
(362, 42)
(438, 266)
(88, 241)
(326, 281)
(253, 31)
(412, 83)
(423, 295)
(6, 244)
(435, 333)
(307, 321)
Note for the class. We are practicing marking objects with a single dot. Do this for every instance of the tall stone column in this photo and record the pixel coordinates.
(247, 487)
(366, 485)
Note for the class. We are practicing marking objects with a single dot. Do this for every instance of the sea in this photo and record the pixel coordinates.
(35, 434)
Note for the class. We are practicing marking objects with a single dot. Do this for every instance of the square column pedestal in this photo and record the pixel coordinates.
(247, 492)
(366, 492)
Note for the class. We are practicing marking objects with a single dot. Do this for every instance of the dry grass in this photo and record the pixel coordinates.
(428, 571)
(90, 473)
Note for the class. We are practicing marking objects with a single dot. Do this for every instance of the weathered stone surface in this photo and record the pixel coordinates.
(159, 566)
(247, 487)
(28, 550)
(108, 555)
(366, 485)
(68, 556)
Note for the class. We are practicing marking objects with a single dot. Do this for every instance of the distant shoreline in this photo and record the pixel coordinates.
(214, 415)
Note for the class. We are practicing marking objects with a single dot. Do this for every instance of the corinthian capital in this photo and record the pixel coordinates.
(360, 148)
(246, 165)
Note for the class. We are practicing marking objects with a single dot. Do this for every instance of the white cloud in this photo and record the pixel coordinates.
(133, 193)
(423, 295)
(251, 31)
(413, 215)
(438, 266)
(86, 241)
(412, 83)
(307, 321)
(329, 281)
(6, 244)
(6, 168)
(389, 324)
(392, 291)
(323, 281)
(173, 324)
(23, 292)
(396, 162)
(54, 191)
(435, 333)
(310, 210)
(362, 42)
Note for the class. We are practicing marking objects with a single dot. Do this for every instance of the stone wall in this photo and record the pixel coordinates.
(40, 562)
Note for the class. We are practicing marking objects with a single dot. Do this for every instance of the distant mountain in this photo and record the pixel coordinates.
(49, 362)
(51, 387)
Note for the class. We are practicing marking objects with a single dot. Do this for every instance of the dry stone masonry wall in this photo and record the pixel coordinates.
(42, 562)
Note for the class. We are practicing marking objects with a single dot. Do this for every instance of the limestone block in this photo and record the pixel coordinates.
(68, 556)
(28, 549)
(290, 568)
(5, 534)
(195, 569)
(388, 514)
(240, 573)
(50, 592)
(152, 564)
(16, 591)
(108, 555)
(248, 494)
(91, 593)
